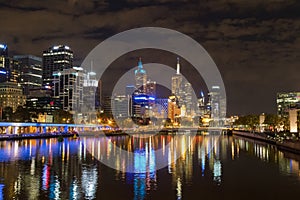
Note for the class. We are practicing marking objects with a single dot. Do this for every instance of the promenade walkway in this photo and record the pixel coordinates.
(290, 144)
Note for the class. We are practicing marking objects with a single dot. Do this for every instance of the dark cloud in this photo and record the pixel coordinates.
(255, 44)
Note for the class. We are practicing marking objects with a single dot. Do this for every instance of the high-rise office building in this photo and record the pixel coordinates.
(174, 111)
(129, 90)
(217, 105)
(98, 96)
(150, 88)
(287, 101)
(140, 77)
(177, 82)
(90, 93)
(55, 59)
(4, 64)
(120, 106)
(30, 68)
(184, 92)
(188, 99)
(68, 86)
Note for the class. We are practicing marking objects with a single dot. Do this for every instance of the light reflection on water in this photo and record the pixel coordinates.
(48, 169)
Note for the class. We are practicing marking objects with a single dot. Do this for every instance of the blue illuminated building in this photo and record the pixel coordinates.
(4, 63)
(141, 108)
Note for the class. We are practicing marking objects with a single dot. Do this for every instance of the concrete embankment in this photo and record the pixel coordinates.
(289, 145)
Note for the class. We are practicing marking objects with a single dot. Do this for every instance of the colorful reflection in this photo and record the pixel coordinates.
(48, 169)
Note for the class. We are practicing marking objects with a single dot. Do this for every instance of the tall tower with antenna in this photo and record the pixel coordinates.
(140, 77)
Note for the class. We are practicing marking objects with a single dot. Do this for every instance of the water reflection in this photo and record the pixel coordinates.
(48, 169)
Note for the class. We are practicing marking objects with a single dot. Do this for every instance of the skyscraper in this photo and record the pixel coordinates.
(177, 89)
(30, 68)
(150, 88)
(140, 77)
(68, 86)
(4, 63)
(56, 58)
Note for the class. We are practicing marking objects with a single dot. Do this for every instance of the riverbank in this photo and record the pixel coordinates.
(284, 144)
(34, 136)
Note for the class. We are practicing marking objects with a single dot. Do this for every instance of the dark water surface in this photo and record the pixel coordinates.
(212, 168)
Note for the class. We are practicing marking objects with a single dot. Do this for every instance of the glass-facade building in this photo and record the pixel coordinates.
(56, 58)
(30, 68)
(287, 101)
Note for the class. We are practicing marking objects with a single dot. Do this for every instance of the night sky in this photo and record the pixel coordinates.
(255, 44)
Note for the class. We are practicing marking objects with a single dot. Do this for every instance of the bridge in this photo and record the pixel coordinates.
(35, 127)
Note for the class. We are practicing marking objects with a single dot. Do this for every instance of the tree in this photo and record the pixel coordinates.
(7, 113)
(272, 120)
(249, 120)
(63, 117)
(21, 115)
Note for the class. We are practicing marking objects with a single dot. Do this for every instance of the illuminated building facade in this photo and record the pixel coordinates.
(11, 95)
(287, 101)
(56, 58)
(183, 91)
(142, 108)
(177, 82)
(120, 106)
(9, 68)
(4, 63)
(217, 104)
(150, 88)
(160, 109)
(90, 92)
(30, 68)
(140, 77)
(42, 104)
(174, 111)
(68, 86)
(98, 96)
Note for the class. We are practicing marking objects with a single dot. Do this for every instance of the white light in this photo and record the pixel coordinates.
(66, 47)
(55, 47)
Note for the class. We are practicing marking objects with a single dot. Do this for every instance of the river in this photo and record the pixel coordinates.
(211, 167)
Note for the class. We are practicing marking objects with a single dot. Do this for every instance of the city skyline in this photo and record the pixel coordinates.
(254, 44)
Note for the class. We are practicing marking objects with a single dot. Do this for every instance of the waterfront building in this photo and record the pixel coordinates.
(142, 106)
(120, 106)
(287, 101)
(11, 95)
(42, 105)
(174, 110)
(30, 68)
(55, 59)
(140, 77)
(68, 86)
(217, 106)
(90, 93)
